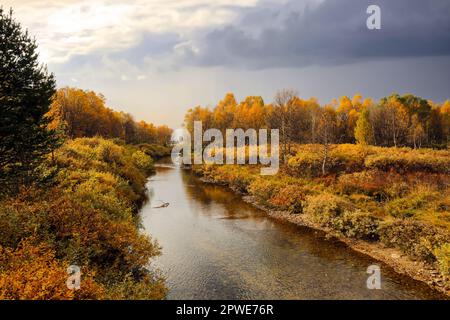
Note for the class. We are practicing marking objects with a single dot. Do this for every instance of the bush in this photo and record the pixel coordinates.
(340, 215)
(263, 189)
(341, 158)
(406, 160)
(143, 161)
(305, 164)
(155, 151)
(357, 224)
(31, 272)
(324, 208)
(291, 198)
(442, 255)
(237, 177)
(411, 204)
(415, 238)
(374, 183)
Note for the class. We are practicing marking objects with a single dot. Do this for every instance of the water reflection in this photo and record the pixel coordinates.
(215, 246)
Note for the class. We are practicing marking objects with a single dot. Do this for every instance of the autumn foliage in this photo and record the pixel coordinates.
(88, 218)
(393, 121)
(81, 113)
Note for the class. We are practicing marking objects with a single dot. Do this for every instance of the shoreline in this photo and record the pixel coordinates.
(394, 258)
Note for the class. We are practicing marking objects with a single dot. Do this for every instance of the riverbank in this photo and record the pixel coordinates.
(394, 258)
(389, 203)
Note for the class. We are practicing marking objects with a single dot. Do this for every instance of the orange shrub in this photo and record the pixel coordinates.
(31, 272)
(289, 198)
(407, 160)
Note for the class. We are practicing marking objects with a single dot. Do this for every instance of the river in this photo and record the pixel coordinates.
(216, 246)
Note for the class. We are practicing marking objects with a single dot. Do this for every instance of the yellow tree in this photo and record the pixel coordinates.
(445, 120)
(363, 129)
(224, 113)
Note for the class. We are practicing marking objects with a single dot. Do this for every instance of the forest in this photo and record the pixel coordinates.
(394, 121)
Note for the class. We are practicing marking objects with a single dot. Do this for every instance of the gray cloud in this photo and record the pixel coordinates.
(331, 33)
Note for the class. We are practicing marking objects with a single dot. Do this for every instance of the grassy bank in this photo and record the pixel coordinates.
(86, 217)
(393, 197)
(155, 151)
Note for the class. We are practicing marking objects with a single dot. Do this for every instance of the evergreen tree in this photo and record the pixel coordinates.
(363, 129)
(26, 90)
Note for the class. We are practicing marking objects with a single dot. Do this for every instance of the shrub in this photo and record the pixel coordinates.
(408, 206)
(442, 255)
(415, 238)
(324, 208)
(341, 158)
(305, 164)
(372, 183)
(143, 161)
(33, 273)
(237, 177)
(340, 215)
(146, 288)
(291, 198)
(406, 160)
(155, 151)
(357, 224)
(263, 189)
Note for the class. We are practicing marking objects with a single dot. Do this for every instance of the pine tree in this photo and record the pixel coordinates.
(363, 129)
(26, 90)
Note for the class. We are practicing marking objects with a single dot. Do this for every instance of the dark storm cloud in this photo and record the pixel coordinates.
(331, 33)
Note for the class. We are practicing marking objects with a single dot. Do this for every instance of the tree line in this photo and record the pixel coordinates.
(82, 113)
(396, 120)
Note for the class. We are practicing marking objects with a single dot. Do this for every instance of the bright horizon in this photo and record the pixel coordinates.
(156, 59)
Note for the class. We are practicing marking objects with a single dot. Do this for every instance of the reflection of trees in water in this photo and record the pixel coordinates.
(213, 195)
(285, 235)
(257, 255)
(150, 195)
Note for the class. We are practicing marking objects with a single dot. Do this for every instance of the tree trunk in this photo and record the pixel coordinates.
(325, 158)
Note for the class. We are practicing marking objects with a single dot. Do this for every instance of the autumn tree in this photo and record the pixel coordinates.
(282, 117)
(223, 114)
(326, 132)
(26, 90)
(445, 119)
(363, 129)
(416, 132)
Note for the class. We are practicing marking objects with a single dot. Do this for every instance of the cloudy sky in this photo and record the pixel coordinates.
(157, 58)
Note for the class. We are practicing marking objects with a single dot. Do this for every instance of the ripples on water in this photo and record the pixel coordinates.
(215, 246)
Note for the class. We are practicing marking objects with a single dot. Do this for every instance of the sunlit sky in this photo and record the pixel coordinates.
(156, 58)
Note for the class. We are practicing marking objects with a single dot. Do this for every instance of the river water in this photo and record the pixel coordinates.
(216, 246)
